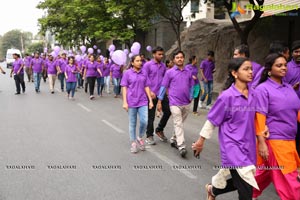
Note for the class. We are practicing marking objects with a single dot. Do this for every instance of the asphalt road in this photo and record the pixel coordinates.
(55, 149)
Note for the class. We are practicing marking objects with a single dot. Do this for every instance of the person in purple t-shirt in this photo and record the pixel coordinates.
(207, 68)
(106, 74)
(156, 69)
(71, 77)
(180, 85)
(18, 72)
(61, 64)
(37, 66)
(234, 114)
(192, 66)
(27, 61)
(90, 73)
(51, 68)
(136, 95)
(116, 75)
(100, 78)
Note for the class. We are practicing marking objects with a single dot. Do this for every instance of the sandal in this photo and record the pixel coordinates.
(209, 196)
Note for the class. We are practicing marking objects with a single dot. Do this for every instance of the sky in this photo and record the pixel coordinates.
(19, 14)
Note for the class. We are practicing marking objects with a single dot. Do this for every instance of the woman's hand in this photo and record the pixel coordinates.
(263, 150)
(198, 147)
(125, 106)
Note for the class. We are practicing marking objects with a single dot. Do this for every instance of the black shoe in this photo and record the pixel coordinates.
(17, 93)
(52, 92)
(23, 91)
(36, 90)
(183, 152)
(174, 144)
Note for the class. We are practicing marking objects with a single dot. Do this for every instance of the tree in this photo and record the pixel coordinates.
(76, 22)
(15, 39)
(172, 11)
(35, 47)
(243, 32)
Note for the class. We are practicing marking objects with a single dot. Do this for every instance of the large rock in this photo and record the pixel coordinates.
(221, 37)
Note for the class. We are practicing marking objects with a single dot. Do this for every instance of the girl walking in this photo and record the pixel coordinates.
(136, 97)
(71, 77)
(90, 72)
(234, 113)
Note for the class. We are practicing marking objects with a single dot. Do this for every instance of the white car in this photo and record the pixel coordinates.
(9, 56)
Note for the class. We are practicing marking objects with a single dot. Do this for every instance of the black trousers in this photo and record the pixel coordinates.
(236, 183)
(298, 140)
(19, 80)
(163, 121)
(91, 82)
(196, 102)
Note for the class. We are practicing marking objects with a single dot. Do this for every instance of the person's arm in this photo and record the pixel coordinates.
(11, 72)
(125, 104)
(19, 71)
(160, 97)
(2, 71)
(147, 90)
(84, 73)
(202, 74)
(205, 133)
(99, 71)
(66, 75)
(260, 126)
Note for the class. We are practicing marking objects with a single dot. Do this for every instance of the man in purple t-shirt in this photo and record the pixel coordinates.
(156, 69)
(37, 66)
(18, 72)
(179, 83)
(207, 68)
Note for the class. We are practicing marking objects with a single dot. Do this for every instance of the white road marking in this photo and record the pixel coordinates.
(84, 108)
(113, 126)
(172, 163)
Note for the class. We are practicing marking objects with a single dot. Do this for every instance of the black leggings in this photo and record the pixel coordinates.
(236, 183)
(91, 82)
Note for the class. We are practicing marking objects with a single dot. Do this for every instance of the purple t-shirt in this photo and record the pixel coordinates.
(27, 61)
(71, 72)
(17, 65)
(208, 67)
(91, 69)
(62, 63)
(99, 66)
(106, 70)
(194, 70)
(280, 104)
(135, 83)
(155, 72)
(293, 74)
(116, 71)
(37, 65)
(51, 67)
(234, 114)
(179, 84)
(257, 77)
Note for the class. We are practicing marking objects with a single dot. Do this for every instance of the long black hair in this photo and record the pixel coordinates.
(191, 59)
(234, 65)
(269, 62)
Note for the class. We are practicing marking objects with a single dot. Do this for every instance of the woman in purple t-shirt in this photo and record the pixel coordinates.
(90, 72)
(234, 114)
(136, 95)
(71, 77)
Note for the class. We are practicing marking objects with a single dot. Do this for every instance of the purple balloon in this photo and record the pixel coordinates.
(56, 49)
(78, 58)
(99, 51)
(135, 50)
(45, 50)
(130, 55)
(111, 48)
(90, 50)
(149, 48)
(126, 51)
(70, 51)
(137, 45)
(95, 47)
(53, 54)
(119, 57)
(111, 53)
(83, 49)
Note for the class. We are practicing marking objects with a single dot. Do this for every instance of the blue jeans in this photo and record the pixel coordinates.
(79, 80)
(208, 87)
(100, 85)
(143, 116)
(37, 80)
(116, 82)
(61, 77)
(71, 87)
(107, 81)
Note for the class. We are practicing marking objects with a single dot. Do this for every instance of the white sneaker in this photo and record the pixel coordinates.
(208, 107)
(200, 104)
